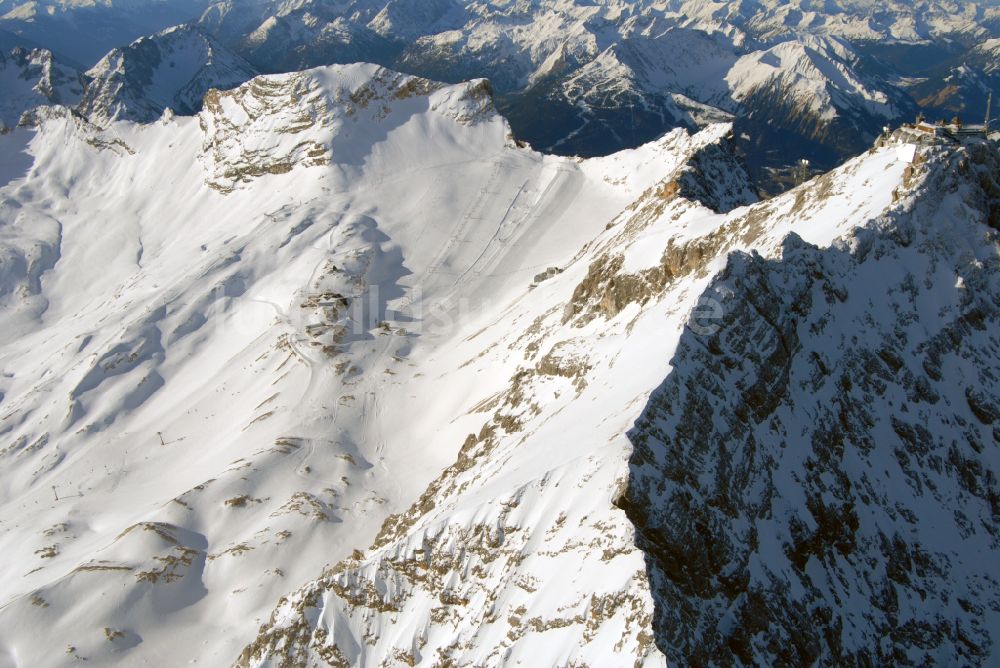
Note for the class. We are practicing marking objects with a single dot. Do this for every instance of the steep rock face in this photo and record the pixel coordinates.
(817, 479)
(715, 177)
(172, 69)
(29, 78)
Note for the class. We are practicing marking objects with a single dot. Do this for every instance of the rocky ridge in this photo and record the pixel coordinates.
(340, 317)
(524, 539)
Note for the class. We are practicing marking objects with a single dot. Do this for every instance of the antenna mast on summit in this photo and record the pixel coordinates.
(989, 105)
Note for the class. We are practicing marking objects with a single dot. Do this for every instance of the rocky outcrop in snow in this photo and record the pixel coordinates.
(329, 115)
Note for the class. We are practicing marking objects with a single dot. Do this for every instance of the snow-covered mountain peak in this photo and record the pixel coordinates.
(33, 77)
(331, 115)
(413, 18)
(254, 336)
(171, 69)
(814, 72)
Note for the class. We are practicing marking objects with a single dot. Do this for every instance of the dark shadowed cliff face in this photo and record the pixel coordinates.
(816, 482)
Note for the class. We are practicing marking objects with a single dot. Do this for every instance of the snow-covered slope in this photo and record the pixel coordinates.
(220, 341)
(337, 372)
(32, 78)
(172, 69)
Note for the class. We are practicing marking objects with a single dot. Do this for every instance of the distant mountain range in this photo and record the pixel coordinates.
(83, 31)
(589, 79)
(592, 78)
